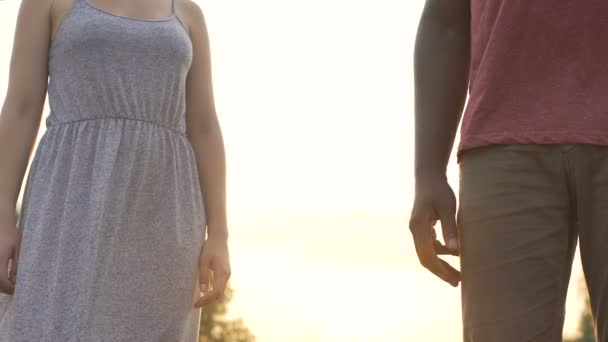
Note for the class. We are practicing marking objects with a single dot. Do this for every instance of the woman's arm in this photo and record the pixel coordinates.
(20, 120)
(205, 135)
(203, 129)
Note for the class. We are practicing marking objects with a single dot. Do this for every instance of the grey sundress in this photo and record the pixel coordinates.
(112, 216)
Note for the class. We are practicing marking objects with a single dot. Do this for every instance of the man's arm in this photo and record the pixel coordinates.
(441, 61)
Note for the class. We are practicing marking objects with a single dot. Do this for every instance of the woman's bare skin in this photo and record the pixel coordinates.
(37, 25)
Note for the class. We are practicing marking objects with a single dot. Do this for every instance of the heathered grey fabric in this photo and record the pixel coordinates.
(112, 217)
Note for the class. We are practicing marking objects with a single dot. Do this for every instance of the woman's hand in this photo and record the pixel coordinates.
(10, 239)
(214, 257)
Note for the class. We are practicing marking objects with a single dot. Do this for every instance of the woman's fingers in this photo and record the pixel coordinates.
(214, 258)
(208, 298)
(10, 238)
(220, 281)
(221, 274)
(6, 286)
(15, 261)
(204, 270)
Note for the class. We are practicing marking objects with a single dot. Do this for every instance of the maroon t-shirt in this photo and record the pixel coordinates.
(539, 73)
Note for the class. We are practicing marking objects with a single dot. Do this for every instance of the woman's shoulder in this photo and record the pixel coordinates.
(190, 13)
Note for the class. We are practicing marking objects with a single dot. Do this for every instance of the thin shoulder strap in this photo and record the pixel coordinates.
(173, 6)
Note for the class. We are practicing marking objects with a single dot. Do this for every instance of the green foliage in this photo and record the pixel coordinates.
(216, 328)
(585, 324)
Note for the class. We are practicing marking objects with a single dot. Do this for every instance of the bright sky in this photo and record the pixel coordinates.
(315, 99)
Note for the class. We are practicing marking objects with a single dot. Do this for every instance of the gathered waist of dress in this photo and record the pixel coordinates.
(50, 123)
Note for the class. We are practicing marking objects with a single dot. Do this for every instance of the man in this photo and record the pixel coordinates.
(533, 159)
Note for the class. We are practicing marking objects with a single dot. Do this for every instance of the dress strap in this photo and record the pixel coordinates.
(173, 6)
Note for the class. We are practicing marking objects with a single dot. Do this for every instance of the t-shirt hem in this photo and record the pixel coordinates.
(531, 137)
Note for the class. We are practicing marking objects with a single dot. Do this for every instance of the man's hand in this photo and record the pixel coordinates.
(214, 257)
(10, 239)
(434, 201)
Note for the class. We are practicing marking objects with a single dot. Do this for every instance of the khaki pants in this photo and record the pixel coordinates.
(522, 209)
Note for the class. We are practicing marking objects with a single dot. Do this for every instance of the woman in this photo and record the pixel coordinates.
(127, 183)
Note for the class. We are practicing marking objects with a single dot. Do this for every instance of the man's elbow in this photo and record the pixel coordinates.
(451, 17)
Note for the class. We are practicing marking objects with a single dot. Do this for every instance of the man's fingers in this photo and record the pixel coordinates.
(441, 249)
(453, 274)
(447, 216)
(443, 270)
(429, 259)
(426, 243)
